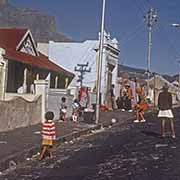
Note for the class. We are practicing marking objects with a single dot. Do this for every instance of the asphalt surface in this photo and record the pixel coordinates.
(123, 152)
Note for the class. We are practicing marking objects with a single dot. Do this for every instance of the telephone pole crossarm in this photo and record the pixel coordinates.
(82, 69)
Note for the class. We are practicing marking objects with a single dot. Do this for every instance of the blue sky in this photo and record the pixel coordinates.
(80, 19)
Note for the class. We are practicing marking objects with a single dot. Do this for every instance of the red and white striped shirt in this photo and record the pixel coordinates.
(48, 130)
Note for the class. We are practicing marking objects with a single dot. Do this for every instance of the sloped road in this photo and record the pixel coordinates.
(128, 152)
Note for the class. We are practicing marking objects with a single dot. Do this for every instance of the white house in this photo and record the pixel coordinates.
(30, 83)
(69, 54)
(157, 83)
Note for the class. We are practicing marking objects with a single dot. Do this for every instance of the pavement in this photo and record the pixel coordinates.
(19, 144)
(127, 151)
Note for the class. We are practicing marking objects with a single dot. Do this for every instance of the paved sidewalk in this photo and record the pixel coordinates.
(18, 144)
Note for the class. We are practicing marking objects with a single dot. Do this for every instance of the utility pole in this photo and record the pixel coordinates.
(151, 18)
(154, 92)
(82, 68)
(99, 63)
(177, 25)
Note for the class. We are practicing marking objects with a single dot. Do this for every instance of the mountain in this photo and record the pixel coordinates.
(131, 72)
(126, 71)
(42, 26)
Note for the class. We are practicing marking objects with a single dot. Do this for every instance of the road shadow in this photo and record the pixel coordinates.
(151, 133)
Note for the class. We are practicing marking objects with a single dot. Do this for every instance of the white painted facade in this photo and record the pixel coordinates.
(3, 73)
(158, 82)
(69, 54)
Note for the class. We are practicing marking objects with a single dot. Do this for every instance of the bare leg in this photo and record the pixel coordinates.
(141, 115)
(43, 152)
(172, 127)
(63, 117)
(137, 114)
(163, 127)
(50, 153)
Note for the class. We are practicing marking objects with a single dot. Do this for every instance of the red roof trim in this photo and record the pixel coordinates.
(40, 61)
(10, 37)
(9, 40)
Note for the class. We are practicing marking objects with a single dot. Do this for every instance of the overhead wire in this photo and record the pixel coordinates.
(133, 35)
(140, 27)
(144, 5)
(163, 30)
(147, 2)
(139, 6)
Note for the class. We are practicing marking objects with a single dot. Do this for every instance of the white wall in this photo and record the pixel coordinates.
(43, 48)
(18, 112)
(68, 55)
(54, 101)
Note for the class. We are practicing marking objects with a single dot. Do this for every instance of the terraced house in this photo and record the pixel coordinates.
(27, 73)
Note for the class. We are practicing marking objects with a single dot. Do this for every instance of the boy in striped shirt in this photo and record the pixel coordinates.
(48, 135)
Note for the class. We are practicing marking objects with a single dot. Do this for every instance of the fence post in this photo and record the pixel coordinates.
(41, 87)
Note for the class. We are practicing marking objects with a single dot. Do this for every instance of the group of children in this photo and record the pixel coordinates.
(124, 101)
(129, 101)
(48, 128)
(165, 112)
(78, 105)
(63, 110)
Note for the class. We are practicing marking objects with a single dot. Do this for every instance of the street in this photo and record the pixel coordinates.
(127, 152)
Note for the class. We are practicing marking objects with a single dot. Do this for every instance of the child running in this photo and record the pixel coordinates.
(48, 135)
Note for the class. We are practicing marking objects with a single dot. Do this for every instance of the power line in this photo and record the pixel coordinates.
(133, 36)
(147, 2)
(144, 5)
(140, 8)
(170, 42)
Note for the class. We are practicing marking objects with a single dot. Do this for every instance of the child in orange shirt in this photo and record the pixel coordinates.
(140, 108)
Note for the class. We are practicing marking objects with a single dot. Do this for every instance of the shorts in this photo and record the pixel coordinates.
(165, 114)
(143, 106)
(47, 142)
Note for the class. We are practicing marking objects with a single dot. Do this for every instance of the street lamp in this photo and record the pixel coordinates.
(175, 25)
(99, 64)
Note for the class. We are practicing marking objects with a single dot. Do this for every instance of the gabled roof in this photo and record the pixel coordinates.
(40, 61)
(10, 37)
(10, 40)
